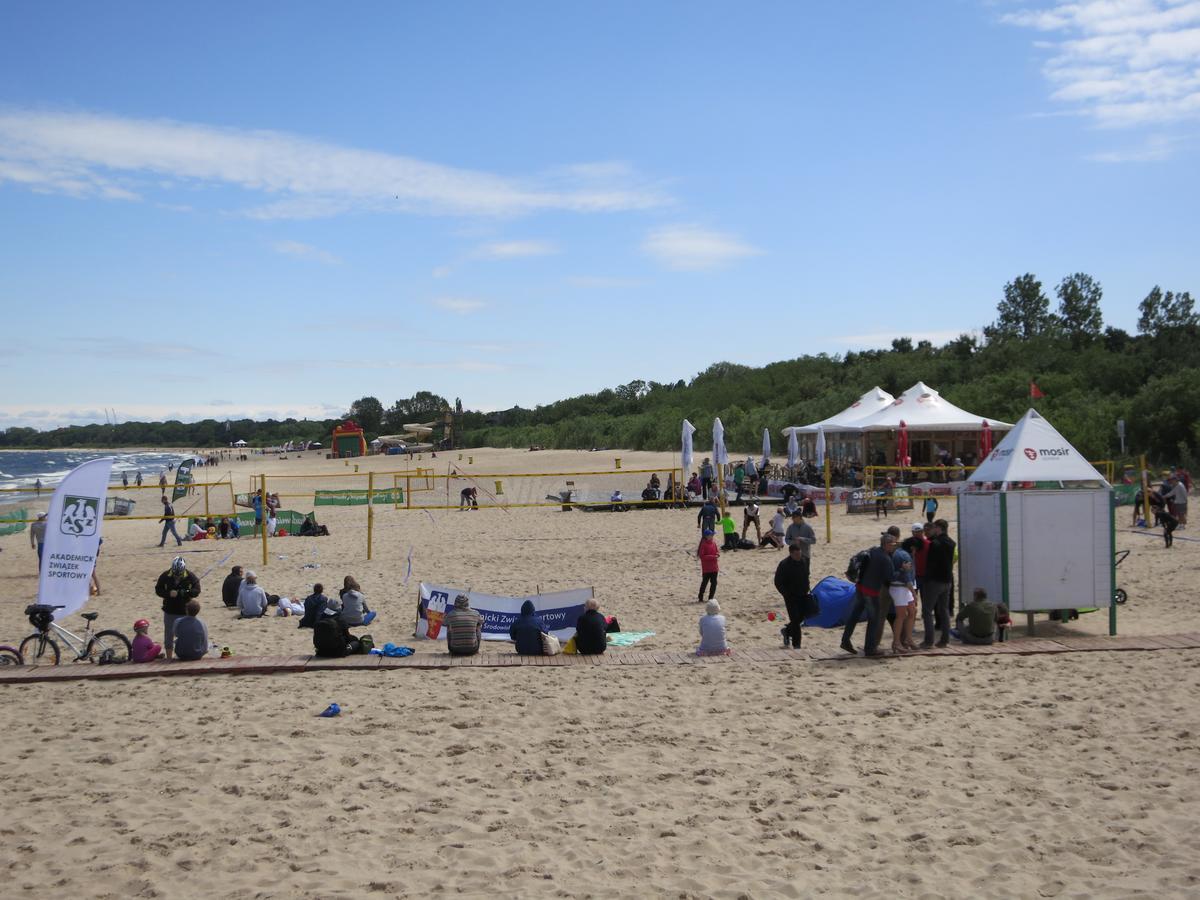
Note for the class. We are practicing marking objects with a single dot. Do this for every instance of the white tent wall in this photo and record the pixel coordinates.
(1038, 550)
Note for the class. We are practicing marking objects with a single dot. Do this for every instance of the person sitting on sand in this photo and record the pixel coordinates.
(230, 587)
(464, 628)
(591, 629)
(774, 537)
(981, 616)
(331, 638)
(144, 649)
(808, 507)
(309, 528)
(712, 632)
(354, 605)
(316, 606)
(730, 531)
(526, 631)
(252, 599)
(191, 634)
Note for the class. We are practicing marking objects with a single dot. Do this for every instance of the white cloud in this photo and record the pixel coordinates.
(442, 272)
(460, 305)
(13, 416)
(603, 282)
(306, 251)
(1123, 63)
(514, 249)
(1154, 148)
(95, 155)
(690, 248)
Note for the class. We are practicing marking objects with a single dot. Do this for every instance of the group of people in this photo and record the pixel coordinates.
(748, 478)
(1168, 504)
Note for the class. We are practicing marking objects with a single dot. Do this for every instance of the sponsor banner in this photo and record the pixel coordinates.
(558, 611)
(183, 479)
(73, 537)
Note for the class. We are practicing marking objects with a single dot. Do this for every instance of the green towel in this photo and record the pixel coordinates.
(627, 638)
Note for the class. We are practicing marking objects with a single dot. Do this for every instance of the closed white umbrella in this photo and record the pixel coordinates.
(685, 453)
(766, 459)
(820, 447)
(793, 449)
(720, 455)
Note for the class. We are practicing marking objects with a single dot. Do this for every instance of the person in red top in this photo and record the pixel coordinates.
(917, 547)
(709, 552)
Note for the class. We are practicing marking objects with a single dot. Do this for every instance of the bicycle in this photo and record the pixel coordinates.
(40, 648)
(10, 656)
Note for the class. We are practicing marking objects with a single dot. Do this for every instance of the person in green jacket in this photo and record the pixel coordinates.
(981, 616)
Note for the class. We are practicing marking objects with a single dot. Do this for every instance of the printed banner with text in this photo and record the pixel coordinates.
(558, 611)
(73, 537)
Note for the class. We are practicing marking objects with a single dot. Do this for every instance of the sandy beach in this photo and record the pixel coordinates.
(1072, 775)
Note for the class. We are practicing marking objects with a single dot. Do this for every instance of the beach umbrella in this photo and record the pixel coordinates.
(766, 457)
(685, 454)
(720, 455)
(985, 441)
(902, 445)
(820, 447)
(793, 449)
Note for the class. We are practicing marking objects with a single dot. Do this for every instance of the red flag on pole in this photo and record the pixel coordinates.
(1035, 392)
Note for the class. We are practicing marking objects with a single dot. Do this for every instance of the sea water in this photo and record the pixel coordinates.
(24, 468)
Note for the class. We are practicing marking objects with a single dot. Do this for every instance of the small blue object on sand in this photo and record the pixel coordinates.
(330, 711)
(390, 649)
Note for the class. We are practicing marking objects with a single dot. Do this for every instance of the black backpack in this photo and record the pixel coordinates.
(330, 638)
(858, 565)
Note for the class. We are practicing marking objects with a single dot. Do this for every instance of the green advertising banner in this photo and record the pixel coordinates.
(10, 522)
(183, 478)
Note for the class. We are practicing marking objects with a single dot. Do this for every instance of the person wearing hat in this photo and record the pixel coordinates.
(144, 649)
(252, 599)
(37, 537)
(917, 546)
(176, 587)
(464, 628)
(708, 553)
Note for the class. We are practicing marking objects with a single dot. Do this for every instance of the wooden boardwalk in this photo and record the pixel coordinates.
(263, 665)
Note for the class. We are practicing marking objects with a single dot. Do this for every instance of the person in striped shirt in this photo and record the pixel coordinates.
(464, 628)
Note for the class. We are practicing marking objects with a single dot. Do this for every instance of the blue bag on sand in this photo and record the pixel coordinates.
(836, 597)
(330, 711)
(390, 649)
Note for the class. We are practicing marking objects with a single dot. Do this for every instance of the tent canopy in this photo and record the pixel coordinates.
(1035, 451)
(921, 408)
(871, 402)
(239, 443)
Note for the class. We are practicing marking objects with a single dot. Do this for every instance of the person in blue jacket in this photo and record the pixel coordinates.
(526, 631)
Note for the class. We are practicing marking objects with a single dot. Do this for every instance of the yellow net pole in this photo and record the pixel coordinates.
(206, 501)
(262, 526)
(370, 513)
(408, 492)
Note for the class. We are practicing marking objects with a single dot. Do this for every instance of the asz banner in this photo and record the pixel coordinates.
(73, 537)
(558, 611)
(183, 479)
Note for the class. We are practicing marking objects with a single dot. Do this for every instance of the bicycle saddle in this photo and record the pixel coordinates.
(91, 617)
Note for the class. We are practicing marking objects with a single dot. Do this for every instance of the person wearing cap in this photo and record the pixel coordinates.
(708, 553)
(144, 649)
(464, 628)
(176, 587)
(917, 547)
(712, 632)
(252, 599)
(37, 537)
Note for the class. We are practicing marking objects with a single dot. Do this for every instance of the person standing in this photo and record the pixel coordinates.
(706, 518)
(706, 478)
(124, 479)
(1179, 497)
(792, 582)
(917, 547)
(709, 554)
(930, 507)
(902, 591)
(138, 480)
(162, 483)
(176, 587)
(800, 532)
(935, 588)
(870, 593)
(168, 520)
(739, 477)
(37, 537)
(751, 469)
(750, 517)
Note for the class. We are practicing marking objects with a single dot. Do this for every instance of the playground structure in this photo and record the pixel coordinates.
(348, 440)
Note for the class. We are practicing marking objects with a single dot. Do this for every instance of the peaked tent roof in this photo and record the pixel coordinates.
(922, 408)
(1035, 451)
(871, 402)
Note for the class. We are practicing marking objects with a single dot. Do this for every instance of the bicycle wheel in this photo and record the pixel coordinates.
(10, 656)
(39, 650)
(109, 647)
(1120, 596)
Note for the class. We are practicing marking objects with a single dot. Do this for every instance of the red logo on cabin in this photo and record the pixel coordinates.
(1030, 453)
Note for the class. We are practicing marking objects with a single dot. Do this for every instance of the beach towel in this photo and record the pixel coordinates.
(627, 638)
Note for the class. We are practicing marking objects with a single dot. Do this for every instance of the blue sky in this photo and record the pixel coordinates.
(275, 208)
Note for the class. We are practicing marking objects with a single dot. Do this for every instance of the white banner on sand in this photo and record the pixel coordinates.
(73, 537)
(558, 611)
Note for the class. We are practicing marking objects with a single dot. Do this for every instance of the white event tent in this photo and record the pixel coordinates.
(841, 439)
(1036, 525)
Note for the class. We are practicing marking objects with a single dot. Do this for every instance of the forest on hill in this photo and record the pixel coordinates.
(1091, 376)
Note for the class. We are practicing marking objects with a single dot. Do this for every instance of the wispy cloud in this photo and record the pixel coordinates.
(690, 248)
(460, 305)
(603, 282)
(62, 415)
(514, 249)
(1156, 147)
(96, 155)
(306, 251)
(1123, 63)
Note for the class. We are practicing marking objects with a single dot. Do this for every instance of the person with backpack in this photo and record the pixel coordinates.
(706, 477)
(935, 587)
(871, 572)
(331, 638)
(706, 519)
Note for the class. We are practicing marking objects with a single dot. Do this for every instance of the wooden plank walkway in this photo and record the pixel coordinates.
(262, 665)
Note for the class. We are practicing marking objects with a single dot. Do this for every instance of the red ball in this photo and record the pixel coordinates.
(770, 617)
